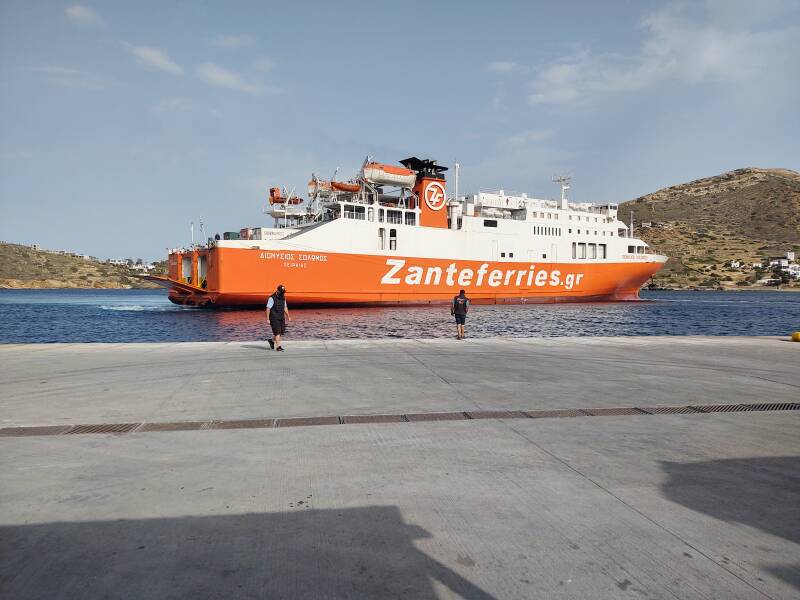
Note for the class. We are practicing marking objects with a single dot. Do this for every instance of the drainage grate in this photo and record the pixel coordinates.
(442, 416)
(99, 428)
(496, 414)
(103, 428)
(774, 406)
(243, 424)
(712, 408)
(352, 419)
(305, 421)
(175, 426)
(555, 414)
(31, 431)
(614, 412)
(668, 410)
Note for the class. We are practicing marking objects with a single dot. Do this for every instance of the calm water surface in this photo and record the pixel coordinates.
(147, 316)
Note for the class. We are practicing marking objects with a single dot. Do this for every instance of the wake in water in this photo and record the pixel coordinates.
(143, 308)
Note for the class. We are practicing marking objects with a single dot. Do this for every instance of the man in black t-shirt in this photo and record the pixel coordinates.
(278, 312)
(459, 309)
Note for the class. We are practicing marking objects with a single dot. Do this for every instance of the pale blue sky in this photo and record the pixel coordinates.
(121, 122)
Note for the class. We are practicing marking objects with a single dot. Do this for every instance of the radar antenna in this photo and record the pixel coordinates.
(563, 181)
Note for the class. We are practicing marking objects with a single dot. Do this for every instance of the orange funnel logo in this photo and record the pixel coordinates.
(435, 195)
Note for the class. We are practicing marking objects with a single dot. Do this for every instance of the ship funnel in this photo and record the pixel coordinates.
(431, 191)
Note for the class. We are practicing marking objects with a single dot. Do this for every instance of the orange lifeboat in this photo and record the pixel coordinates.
(342, 186)
(381, 174)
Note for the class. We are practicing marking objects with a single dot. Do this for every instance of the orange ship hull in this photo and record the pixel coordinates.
(246, 277)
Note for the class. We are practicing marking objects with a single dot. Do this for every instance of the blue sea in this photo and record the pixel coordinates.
(43, 316)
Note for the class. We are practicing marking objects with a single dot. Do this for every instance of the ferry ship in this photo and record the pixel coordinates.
(392, 235)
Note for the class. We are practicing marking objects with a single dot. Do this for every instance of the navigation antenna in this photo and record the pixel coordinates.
(563, 181)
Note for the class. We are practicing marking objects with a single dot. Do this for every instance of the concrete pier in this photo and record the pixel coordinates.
(632, 504)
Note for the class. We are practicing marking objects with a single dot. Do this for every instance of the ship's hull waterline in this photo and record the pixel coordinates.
(246, 277)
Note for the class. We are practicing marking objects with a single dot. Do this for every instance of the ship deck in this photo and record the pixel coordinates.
(482, 469)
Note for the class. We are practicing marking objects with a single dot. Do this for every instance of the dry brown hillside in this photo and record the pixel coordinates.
(746, 215)
(25, 267)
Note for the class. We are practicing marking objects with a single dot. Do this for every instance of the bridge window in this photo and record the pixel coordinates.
(411, 218)
(380, 215)
(354, 212)
(395, 217)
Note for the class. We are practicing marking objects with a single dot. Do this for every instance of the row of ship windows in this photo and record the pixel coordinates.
(588, 219)
(545, 230)
(393, 217)
(587, 232)
(570, 217)
(579, 250)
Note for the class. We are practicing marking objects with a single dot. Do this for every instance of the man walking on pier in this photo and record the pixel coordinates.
(278, 312)
(459, 310)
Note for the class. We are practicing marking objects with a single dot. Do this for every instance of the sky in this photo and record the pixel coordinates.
(123, 122)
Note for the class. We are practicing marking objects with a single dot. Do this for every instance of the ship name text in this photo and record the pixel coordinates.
(453, 275)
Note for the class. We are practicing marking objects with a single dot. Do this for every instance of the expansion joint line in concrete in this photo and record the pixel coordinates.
(649, 519)
(442, 379)
(468, 415)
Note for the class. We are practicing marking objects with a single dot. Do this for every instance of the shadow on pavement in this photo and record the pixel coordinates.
(265, 346)
(760, 492)
(365, 552)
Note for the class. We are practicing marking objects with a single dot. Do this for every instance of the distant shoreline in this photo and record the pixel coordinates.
(753, 288)
(16, 284)
(4, 285)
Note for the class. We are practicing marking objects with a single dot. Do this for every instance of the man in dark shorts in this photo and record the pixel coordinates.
(459, 309)
(278, 312)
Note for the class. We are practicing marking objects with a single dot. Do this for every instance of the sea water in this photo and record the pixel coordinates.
(147, 316)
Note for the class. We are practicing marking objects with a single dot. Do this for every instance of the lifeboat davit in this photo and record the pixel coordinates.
(381, 174)
(319, 187)
(324, 188)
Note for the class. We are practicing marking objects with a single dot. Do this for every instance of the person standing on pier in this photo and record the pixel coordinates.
(278, 312)
(459, 309)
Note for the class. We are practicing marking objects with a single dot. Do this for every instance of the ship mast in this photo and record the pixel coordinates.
(563, 181)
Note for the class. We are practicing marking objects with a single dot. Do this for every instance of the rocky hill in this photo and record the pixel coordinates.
(26, 267)
(745, 215)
